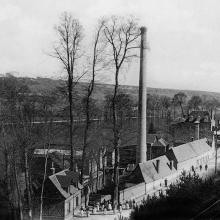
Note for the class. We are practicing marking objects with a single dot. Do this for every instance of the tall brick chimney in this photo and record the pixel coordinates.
(141, 150)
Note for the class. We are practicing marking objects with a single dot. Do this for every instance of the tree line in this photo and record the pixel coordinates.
(180, 105)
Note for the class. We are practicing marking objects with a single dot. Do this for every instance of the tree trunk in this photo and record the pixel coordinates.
(7, 172)
(85, 136)
(103, 171)
(116, 142)
(27, 179)
(20, 206)
(97, 173)
(182, 110)
(42, 187)
(70, 96)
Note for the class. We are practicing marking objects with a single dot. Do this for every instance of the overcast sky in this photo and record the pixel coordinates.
(184, 38)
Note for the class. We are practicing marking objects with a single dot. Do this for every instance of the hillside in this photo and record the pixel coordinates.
(41, 85)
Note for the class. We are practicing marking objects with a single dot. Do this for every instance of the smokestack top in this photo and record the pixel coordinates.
(143, 30)
(197, 122)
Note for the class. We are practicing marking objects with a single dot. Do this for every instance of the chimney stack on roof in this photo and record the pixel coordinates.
(157, 165)
(171, 164)
(141, 151)
(52, 169)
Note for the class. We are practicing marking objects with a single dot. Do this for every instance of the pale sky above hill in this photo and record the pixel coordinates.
(184, 38)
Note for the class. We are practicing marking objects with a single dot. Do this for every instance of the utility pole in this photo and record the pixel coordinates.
(216, 152)
(215, 130)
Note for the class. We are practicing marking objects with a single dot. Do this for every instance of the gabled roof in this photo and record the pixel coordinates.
(160, 142)
(56, 183)
(183, 152)
(73, 175)
(63, 180)
(190, 150)
(148, 170)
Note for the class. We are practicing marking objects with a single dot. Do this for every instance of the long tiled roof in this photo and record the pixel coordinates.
(190, 150)
(149, 171)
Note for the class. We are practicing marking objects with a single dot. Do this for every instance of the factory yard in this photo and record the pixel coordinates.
(109, 215)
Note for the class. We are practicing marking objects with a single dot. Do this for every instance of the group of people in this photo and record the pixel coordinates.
(131, 204)
(107, 206)
(104, 206)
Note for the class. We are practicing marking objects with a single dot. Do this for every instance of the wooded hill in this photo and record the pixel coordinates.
(40, 85)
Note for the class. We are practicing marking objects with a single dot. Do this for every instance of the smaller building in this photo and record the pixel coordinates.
(191, 156)
(58, 159)
(156, 146)
(151, 171)
(62, 195)
(147, 178)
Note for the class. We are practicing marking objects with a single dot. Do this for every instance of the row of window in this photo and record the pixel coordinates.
(203, 160)
(200, 167)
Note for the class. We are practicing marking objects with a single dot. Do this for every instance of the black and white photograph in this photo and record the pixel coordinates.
(109, 110)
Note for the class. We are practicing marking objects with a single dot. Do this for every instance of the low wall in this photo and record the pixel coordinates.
(132, 192)
(142, 190)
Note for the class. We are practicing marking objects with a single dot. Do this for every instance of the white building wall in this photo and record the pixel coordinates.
(142, 190)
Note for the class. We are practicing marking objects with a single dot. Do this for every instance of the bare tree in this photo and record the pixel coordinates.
(48, 126)
(67, 51)
(97, 64)
(121, 35)
(15, 172)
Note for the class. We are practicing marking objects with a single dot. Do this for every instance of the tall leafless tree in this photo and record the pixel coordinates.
(97, 64)
(67, 51)
(121, 35)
